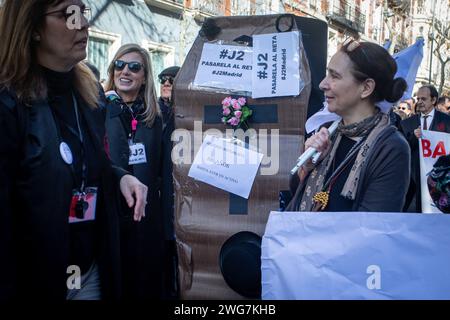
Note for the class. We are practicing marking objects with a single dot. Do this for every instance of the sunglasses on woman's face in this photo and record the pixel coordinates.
(133, 66)
(163, 79)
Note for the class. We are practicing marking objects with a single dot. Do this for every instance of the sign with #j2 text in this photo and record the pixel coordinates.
(225, 67)
(276, 61)
(226, 164)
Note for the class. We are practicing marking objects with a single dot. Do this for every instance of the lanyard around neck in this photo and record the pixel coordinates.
(83, 156)
(79, 134)
(133, 122)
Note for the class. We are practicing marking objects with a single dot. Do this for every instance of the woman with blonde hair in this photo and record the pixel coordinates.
(134, 128)
(59, 217)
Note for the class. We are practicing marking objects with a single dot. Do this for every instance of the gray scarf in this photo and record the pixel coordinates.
(366, 131)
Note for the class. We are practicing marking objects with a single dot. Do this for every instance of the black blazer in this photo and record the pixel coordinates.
(142, 242)
(35, 193)
(441, 123)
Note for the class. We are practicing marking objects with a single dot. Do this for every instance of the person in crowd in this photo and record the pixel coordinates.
(59, 218)
(395, 116)
(412, 103)
(443, 104)
(361, 167)
(165, 101)
(406, 108)
(134, 128)
(427, 118)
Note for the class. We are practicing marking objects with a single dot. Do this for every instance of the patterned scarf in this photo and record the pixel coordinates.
(367, 132)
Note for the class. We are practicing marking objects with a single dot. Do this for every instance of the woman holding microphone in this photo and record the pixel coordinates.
(362, 164)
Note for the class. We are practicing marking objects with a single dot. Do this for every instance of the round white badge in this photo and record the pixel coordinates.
(66, 153)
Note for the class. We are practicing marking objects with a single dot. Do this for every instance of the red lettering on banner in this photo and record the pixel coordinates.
(426, 148)
(438, 151)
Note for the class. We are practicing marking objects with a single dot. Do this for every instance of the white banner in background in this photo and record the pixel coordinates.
(276, 63)
(432, 145)
(355, 255)
(227, 165)
(225, 67)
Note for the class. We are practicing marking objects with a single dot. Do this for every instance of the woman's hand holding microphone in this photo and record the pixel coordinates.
(321, 143)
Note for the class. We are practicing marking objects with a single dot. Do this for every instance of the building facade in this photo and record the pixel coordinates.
(400, 22)
(166, 28)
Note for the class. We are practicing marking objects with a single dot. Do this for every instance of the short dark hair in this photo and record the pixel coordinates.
(442, 99)
(433, 91)
(373, 61)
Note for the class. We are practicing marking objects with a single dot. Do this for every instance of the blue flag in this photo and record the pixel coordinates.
(408, 62)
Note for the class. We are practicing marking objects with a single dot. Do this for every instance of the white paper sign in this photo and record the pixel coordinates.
(225, 67)
(137, 154)
(276, 62)
(227, 165)
(432, 145)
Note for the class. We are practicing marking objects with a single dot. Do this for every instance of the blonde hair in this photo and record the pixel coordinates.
(148, 92)
(20, 72)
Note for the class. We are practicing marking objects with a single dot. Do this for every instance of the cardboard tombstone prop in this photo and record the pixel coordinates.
(219, 233)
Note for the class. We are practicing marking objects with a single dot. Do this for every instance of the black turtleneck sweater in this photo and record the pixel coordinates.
(336, 201)
(60, 90)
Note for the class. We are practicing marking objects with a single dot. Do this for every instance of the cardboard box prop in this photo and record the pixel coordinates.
(219, 233)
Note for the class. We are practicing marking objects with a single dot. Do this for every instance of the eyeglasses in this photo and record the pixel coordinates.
(133, 66)
(70, 12)
(163, 79)
(401, 108)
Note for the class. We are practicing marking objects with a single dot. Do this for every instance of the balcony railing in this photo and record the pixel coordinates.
(347, 16)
